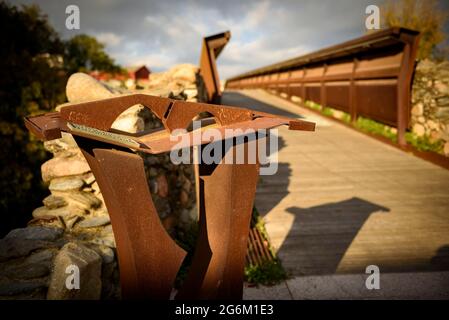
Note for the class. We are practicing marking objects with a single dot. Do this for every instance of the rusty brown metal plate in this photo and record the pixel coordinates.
(148, 258)
(210, 50)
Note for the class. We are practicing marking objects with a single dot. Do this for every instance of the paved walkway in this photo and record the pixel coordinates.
(342, 201)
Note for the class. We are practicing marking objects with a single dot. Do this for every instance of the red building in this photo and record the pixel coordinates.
(141, 73)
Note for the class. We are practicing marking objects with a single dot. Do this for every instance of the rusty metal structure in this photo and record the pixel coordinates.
(149, 259)
(370, 76)
(258, 251)
(210, 50)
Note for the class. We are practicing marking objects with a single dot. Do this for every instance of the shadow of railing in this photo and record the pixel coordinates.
(322, 234)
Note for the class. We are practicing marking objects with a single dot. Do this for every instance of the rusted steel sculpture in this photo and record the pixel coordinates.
(211, 48)
(148, 258)
(370, 76)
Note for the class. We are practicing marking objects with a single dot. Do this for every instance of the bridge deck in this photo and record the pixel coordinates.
(341, 200)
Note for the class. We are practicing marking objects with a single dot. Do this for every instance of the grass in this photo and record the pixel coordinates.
(423, 143)
(374, 127)
(267, 273)
(328, 111)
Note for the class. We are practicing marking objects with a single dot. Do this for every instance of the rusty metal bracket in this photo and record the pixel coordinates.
(210, 50)
(148, 258)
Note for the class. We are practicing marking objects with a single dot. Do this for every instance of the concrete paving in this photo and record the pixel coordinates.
(341, 201)
(403, 286)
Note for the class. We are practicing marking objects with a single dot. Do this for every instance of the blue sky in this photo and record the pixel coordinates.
(160, 34)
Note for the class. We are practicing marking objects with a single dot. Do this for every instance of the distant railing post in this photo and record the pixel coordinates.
(211, 49)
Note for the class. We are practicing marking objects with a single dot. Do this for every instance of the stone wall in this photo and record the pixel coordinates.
(430, 102)
(73, 226)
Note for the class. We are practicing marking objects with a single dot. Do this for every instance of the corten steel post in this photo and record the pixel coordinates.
(148, 258)
(210, 50)
(405, 77)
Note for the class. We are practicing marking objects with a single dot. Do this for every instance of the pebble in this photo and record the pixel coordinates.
(66, 184)
(95, 222)
(53, 202)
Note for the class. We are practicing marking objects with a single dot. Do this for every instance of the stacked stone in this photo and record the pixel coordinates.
(181, 81)
(430, 102)
(73, 226)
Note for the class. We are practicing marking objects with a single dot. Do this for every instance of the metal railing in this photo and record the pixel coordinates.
(211, 49)
(370, 76)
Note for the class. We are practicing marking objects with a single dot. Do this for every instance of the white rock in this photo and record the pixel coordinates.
(82, 87)
(66, 184)
(432, 124)
(190, 93)
(95, 222)
(88, 263)
(446, 148)
(64, 166)
(66, 211)
(129, 124)
(418, 109)
(419, 129)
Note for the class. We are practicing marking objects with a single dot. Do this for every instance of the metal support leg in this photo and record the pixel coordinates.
(148, 258)
(226, 196)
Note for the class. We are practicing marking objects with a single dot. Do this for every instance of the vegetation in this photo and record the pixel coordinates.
(374, 127)
(423, 143)
(34, 64)
(422, 15)
(267, 273)
(84, 53)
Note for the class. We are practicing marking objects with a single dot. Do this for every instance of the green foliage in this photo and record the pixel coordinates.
(370, 126)
(423, 15)
(268, 273)
(328, 111)
(375, 127)
(313, 105)
(424, 143)
(28, 85)
(84, 53)
(34, 73)
(346, 117)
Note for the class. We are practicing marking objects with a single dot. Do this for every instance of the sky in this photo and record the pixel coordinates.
(161, 34)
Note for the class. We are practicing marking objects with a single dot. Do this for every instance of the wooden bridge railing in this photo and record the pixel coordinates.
(370, 76)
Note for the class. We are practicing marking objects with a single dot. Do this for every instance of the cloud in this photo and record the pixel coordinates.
(109, 39)
(163, 33)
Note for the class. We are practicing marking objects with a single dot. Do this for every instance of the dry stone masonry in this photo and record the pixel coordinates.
(430, 102)
(72, 227)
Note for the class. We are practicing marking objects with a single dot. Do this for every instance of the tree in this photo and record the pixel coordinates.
(29, 84)
(34, 67)
(85, 53)
(420, 15)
